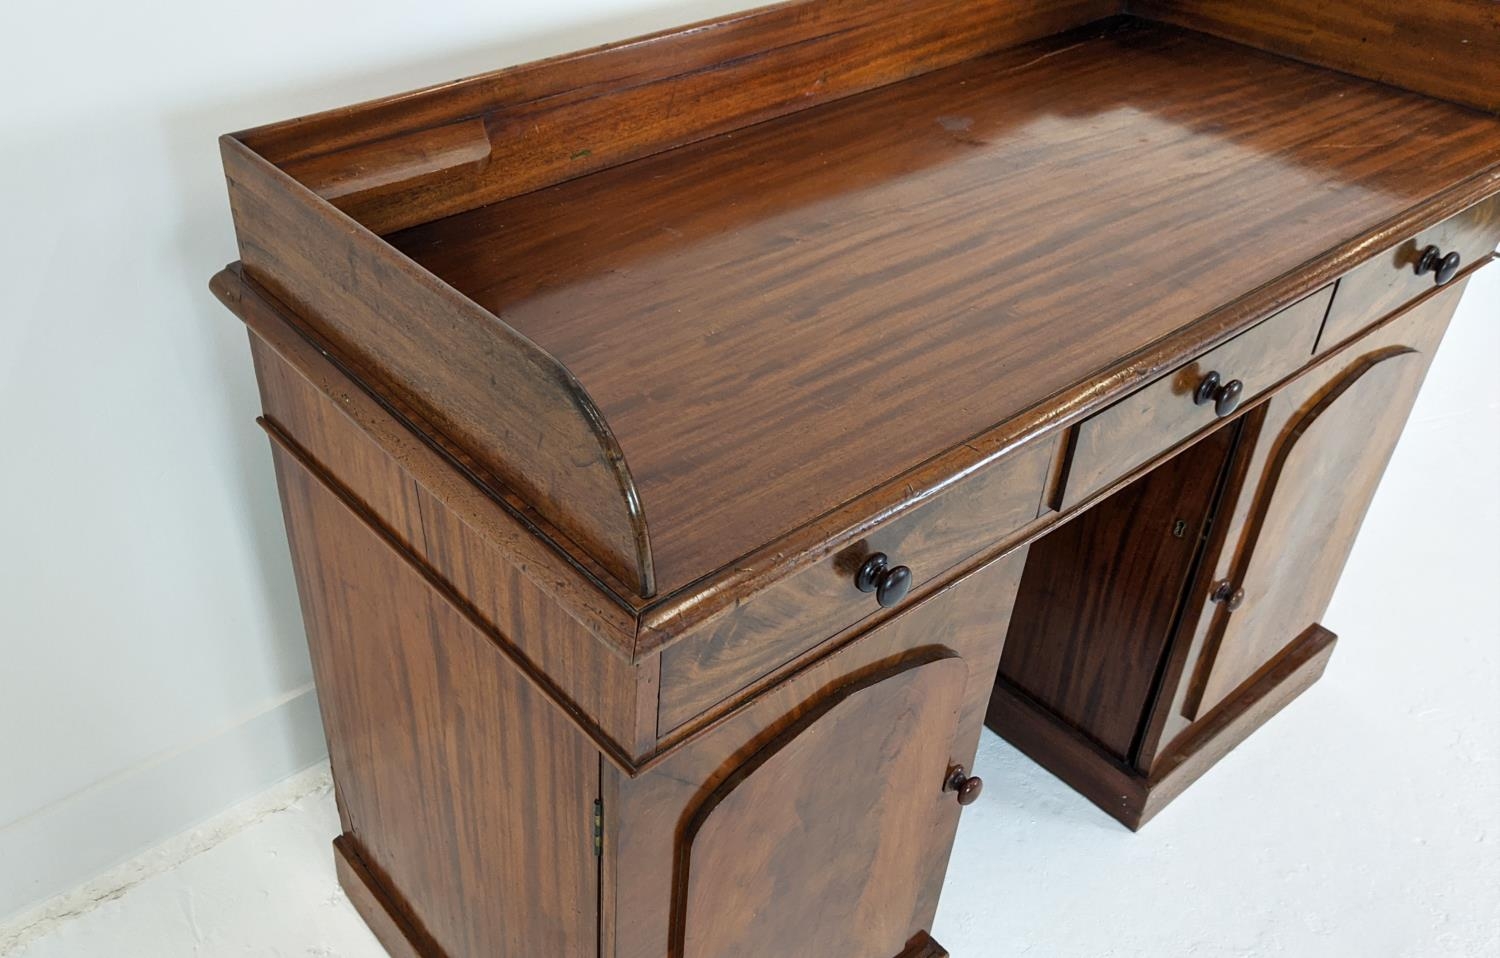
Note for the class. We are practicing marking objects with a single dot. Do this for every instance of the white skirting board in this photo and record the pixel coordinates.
(90, 832)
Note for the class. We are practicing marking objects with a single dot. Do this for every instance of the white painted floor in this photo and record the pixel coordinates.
(1364, 821)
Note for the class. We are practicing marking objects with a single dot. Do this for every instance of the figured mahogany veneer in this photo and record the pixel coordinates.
(711, 664)
(1445, 48)
(727, 885)
(687, 445)
(1129, 685)
(1135, 430)
(652, 813)
(891, 261)
(1080, 582)
(429, 153)
(1285, 545)
(1387, 281)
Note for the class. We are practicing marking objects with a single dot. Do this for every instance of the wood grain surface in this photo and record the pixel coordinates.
(1117, 440)
(766, 630)
(474, 380)
(1445, 48)
(434, 780)
(1289, 575)
(342, 420)
(852, 786)
(416, 156)
(1129, 796)
(1100, 597)
(776, 320)
(836, 277)
(1339, 436)
(380, 908)
(1301, 529)
(1389, 280)
(648, 814)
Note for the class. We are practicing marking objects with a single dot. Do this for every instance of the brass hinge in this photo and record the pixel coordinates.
(599, 827)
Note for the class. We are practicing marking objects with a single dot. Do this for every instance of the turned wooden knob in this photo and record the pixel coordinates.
(889, 583)
(1224, 396)
(967, 786)
(1433, 261)
(1226, 593)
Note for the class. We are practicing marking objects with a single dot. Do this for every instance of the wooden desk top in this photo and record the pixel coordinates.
(776, 320)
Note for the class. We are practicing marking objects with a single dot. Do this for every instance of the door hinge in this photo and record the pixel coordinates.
(599, 827)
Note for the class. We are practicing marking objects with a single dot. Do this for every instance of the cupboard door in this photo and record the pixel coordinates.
(1100, 597)
(818, 843)
(1323, 445)
(657, 835)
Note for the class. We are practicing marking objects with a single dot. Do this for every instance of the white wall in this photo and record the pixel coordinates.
(152, 664)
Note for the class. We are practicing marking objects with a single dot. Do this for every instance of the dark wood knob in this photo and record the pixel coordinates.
(1225, 396)
(967, 786)
(1226, 593)
(889, 583)
(1432, 260)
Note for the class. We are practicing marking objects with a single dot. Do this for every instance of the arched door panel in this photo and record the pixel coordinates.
(1312, 498)
(816, 844)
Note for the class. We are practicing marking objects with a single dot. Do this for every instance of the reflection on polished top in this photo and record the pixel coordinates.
(943, 253)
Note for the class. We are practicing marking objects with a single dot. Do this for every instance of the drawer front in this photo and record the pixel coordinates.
(1151, 421)
(800, 612)
(1380, 286)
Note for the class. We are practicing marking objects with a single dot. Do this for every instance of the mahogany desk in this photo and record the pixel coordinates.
(687, 445)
